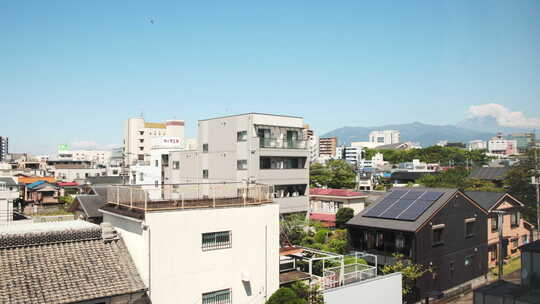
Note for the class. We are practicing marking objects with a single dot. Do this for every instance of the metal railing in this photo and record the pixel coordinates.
(281, 143)
(185, 196)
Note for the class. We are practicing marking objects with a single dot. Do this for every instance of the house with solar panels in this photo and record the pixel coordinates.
(438, 228)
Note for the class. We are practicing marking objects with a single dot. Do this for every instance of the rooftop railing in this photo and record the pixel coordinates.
(145, 198)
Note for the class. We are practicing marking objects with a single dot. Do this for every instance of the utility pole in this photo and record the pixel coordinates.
(500, 215)
(537, 185)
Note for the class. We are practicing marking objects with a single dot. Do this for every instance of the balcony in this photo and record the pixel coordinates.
(275, 143)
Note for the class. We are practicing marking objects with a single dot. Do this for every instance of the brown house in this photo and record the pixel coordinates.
(516, 231)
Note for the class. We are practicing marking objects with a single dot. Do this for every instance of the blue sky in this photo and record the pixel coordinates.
(72, 71)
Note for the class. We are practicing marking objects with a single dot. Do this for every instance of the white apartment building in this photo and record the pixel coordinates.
(250, 148)
(151, 174)
(384, 137)
(312, 141)
(9, 191)
(4, 145)
(500, 146)
(350, 154)
(217, 244)
(477, 145)
(98, 157)
(138, 136)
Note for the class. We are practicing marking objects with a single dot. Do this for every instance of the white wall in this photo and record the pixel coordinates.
(180, 272)
(383, 289)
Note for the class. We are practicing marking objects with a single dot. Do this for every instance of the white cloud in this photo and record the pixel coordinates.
(504, 116)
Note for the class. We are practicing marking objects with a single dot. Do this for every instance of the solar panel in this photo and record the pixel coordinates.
(397, 193)
(381, 206)
(397, 208)
(419, 206)
(412, 195)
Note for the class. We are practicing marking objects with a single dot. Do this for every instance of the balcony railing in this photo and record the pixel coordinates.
(275, 143)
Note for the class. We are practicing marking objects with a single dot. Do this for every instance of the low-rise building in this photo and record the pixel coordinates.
(500, 146)
(325, 203)
(327, 147)
(516, 231)
(200, 243)
(71, 262)
(439, 228)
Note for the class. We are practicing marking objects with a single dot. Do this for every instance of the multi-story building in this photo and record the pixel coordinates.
(138, 134)
(501, 146)
(250, 148)
(152, 173)
(325, 203)
(516, 231)
(327, 147)
(350, 154)
(384, 137)
(477, 145)
(98, 157)
(312, 141)
(524, 141)
(4, 145)
(200, 243)
(9, 191)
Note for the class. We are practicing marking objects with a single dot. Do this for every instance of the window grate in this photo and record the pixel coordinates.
(216, 240)
(217, 297)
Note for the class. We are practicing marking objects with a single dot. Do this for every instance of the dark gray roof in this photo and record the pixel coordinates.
(404, 175)
(100, 190)
(392, 224)
(90, 204)
(489, 173)
(105, 180)
(65, 266)
(10, 181)
(486, 199)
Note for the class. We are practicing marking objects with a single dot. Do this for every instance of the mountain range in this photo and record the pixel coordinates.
(425, 134)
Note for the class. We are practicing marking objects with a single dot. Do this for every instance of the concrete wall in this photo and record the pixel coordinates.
(383, 289)
(180, 271)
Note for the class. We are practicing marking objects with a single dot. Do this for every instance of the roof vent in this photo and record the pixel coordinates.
(108, 233)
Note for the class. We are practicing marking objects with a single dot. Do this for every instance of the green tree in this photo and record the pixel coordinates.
(319, 175)
(410, 272)
(518, 184)
(343, 216)
(334, 174)
(285, 295)
(312, 294)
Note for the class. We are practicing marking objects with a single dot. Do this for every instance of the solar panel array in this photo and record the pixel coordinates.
(405, 205)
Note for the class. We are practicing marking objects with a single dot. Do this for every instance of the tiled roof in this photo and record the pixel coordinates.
(335, 192)
(32, 179)
(105, 180)
(323, 217)
(67, 184)
(35, 184)
(68, 265)
(489, 173)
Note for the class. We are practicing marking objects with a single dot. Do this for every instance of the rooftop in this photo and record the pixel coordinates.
(489, 199)
(250, 113)
(134, 200)
(336, 192)
(64, 262)
(489, 173)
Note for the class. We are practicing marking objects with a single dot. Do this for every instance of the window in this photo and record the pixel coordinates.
(217, 297)
(141, 176)
(452, 269)
(157, 163)
(469, 227)
(493, 252)
(437, 233)
(514, 219)
(400, 241)
(216, 240)
(241, 164)
(205, 148)
(241, 136)
(380, 139)
(525, 239)
(494, 224)
(176, 165)
(469, 260)
(379, 241)
(205, 173)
